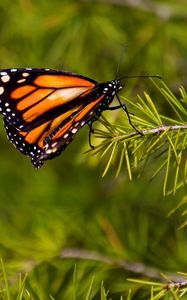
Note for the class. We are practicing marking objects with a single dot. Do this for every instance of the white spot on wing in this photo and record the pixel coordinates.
(21, 80)
(5, 78)
(66, 135)
(54, 144)
(1, 90)
(74, 130)
(3, 73)
(25, 74)
(49, 151)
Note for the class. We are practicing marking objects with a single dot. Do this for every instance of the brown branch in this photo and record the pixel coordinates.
(136, 268)
(156, 130)
(163, 11)
(176, 285)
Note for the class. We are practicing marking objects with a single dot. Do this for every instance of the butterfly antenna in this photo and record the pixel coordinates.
(119, 61)
(141, 76)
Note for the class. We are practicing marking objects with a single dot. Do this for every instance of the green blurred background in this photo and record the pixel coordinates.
(67, 204)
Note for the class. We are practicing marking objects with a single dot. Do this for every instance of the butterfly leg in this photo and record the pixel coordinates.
(91, 130)
(123, 106)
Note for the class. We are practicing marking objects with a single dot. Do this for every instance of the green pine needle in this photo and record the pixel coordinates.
(163, 144)
(88, 296)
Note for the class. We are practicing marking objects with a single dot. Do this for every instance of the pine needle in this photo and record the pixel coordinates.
(127, 161)
(120, 162)
(162, 135)
(110, 158)
(167, 171)
(88, 296)
(5, 280)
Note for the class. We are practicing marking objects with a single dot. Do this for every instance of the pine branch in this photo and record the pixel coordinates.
(162, 11)
(171, 285)
(163, 142)
(134, 267)
(176, 285)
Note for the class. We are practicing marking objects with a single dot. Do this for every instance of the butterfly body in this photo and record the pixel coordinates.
(43, 109)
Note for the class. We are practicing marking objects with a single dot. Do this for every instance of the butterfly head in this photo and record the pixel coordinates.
(113, 87)
(117, 85)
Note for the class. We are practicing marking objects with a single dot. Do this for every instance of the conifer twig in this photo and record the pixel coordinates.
(176, 285)
(163, 138)
(134, 267)
(156, 130)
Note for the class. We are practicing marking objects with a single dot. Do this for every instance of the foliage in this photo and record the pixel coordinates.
(161, 136)
(158, 291)
(66, 215)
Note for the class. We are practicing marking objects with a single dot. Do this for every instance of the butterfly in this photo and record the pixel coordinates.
(43, 109)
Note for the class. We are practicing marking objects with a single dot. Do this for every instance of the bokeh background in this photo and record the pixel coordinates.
(67, 204)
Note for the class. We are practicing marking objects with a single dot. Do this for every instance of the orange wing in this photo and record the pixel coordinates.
(52, 137)
(29, 98)
(43, 109)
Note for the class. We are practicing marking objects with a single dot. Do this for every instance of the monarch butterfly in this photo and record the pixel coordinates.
(43, 109)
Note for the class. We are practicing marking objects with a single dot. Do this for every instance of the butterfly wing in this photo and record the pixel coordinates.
(29, 97)
(52, 137)
(43, 109)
